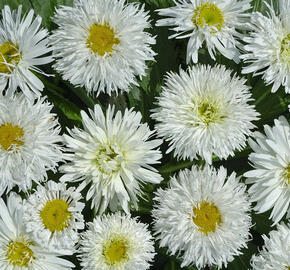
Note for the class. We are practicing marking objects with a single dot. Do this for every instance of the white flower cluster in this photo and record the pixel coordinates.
(204, 112)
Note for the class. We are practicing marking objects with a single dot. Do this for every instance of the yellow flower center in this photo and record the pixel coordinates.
(285, 50)
(208, 15)
(55, 215)
(115, 251)
(287, 174)
(9, 54)
(10, 136)
(19, 254)
(207, 216)
(102, 39)
(209, 112)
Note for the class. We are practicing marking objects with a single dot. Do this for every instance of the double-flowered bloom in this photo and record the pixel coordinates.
(30, 142)
(217, 23)
(271, 170)
(102, 44)
(203, 217)
(23, 47)
(205, 111)
(268, 46)
(114, 155)
(18, 250)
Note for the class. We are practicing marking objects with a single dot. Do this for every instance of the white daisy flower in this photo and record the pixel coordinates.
(101, 44)
(53, 216)
(22, 45)
(214, 22)
(275, 254)
(116, 242)
(114, 155)
(271, 174)
(17, 248)
(29, 142)
(204, 111)
(268, 48)
(203, 217)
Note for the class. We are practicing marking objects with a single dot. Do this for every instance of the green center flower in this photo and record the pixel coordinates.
(285, 50)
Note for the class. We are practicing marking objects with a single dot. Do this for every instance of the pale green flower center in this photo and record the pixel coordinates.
(210, 112)
(10, 136)
(285, 50)
(207, 217)
(55, 215)
(108, 159)
(286, 174)
(208, 15)
(19, 253)
(9, 54)
(102, 39)
(115, 250)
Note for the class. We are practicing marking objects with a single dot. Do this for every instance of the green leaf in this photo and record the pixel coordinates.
(44, 8)
(242, 262)
(175, 166)
(69, 109)
(262, 222)
(13, 4)
(82, 94)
